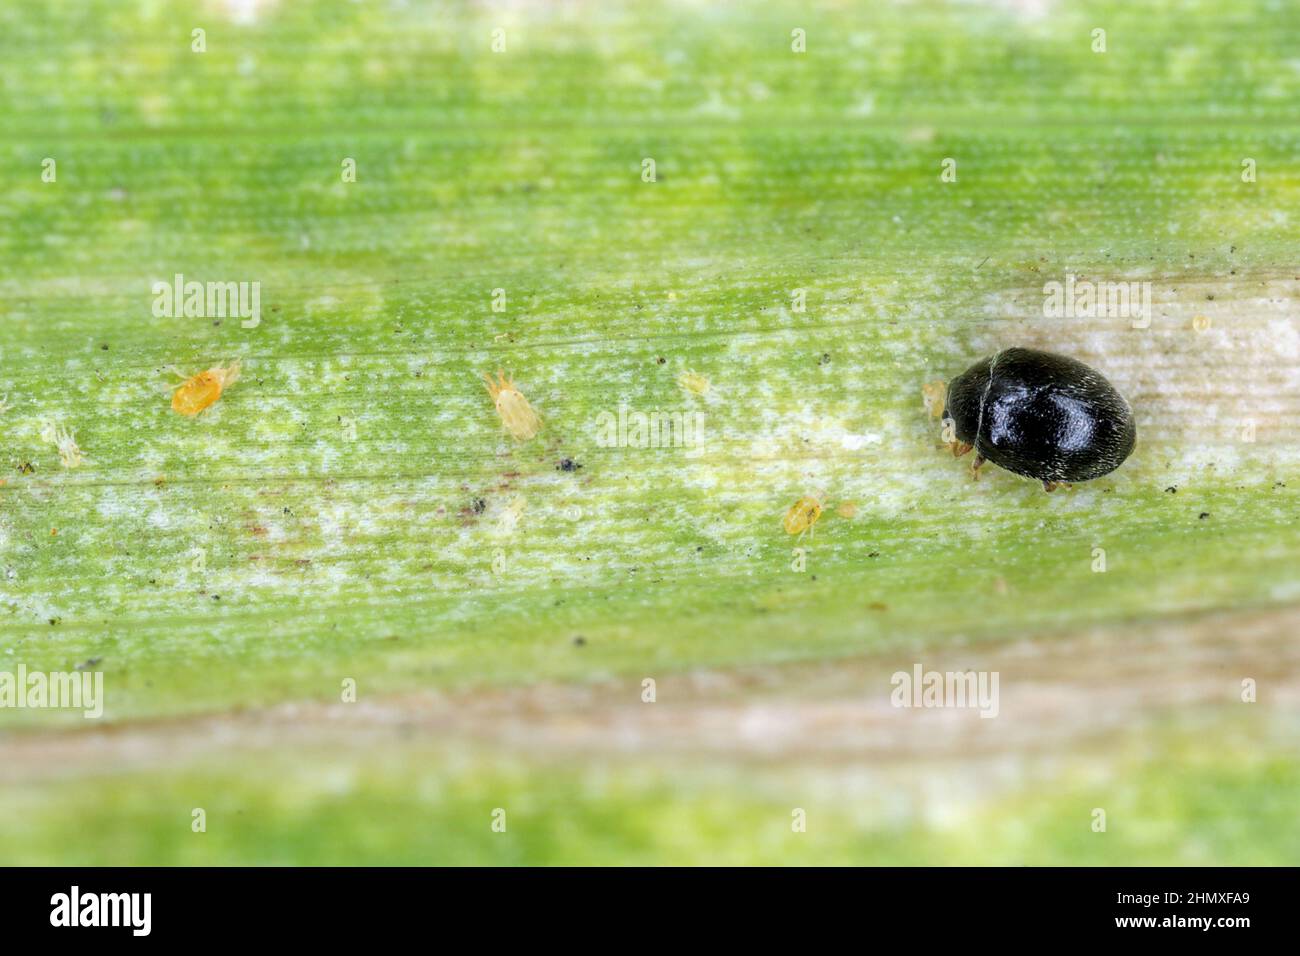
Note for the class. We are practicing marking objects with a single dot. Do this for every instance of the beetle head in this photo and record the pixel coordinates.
(965, 394)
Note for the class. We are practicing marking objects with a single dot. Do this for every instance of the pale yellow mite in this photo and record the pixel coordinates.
(693, 382)
(516, 414)
(803, 515)
(199, 391)
(934, 394)
(509, 517)
(65, 442)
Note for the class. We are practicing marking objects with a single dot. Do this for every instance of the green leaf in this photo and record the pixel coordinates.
(351, 507)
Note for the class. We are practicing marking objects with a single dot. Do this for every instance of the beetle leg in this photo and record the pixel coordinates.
(976, 464)
(1050, 486)
(959, 448)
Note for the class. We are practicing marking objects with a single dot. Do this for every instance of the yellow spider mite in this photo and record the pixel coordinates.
(516, 414)
(934, 394)
(803, 514)
(199, 391)
(693, 382)
(65, 442)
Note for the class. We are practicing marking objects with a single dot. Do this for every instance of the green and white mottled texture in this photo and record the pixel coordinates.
(327, 556)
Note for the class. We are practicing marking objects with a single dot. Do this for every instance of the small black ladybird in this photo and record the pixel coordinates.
(1040, 415)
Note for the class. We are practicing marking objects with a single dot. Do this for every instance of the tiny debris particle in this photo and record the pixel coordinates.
(661, 360)
(1204, 515)
(1172, 490)
(579, 641)
(88, 663)
(479, 505)
(567, 464)
(847, 509)
(878, 606)
(825, 359)
(26, 468)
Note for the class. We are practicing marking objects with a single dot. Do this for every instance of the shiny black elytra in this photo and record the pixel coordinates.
(1040, 415)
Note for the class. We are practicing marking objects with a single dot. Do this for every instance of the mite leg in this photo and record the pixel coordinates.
(976, 464)
(1050, 486)
(959, 448)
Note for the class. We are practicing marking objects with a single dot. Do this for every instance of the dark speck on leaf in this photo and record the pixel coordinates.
(579, 641)
(661, 360)
(1172, 490)
(1204, 515)
(88, 663)
(825, 359)
(479, 506)
(567, 464)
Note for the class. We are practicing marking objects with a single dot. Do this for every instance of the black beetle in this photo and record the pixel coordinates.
(1040, 415)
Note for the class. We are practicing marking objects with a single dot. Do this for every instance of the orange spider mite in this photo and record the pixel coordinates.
(199, 391)
(803, 515)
